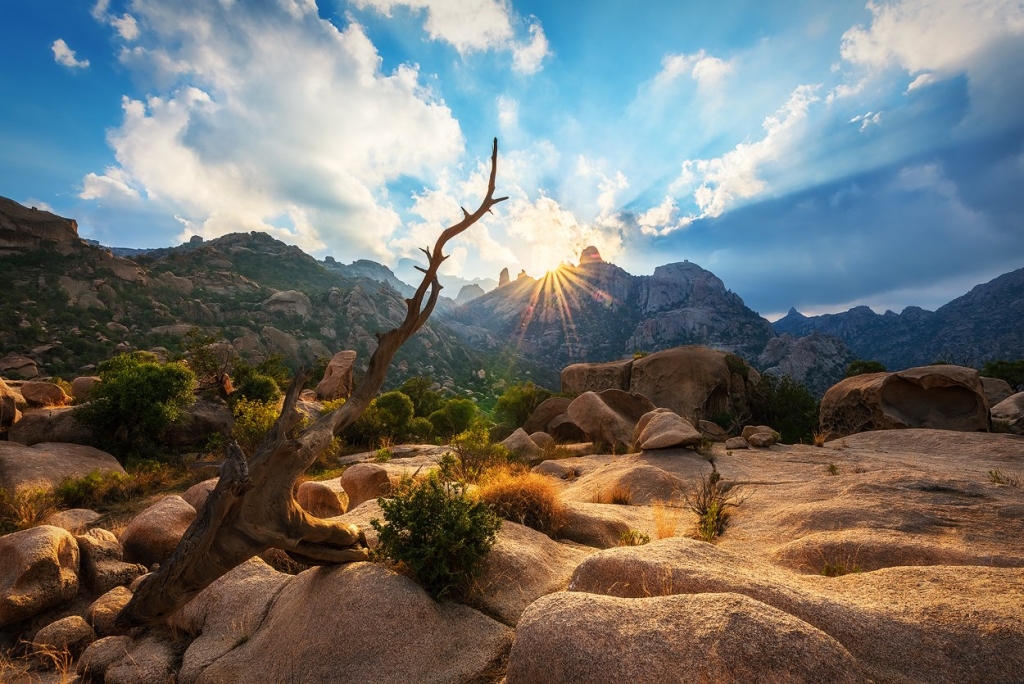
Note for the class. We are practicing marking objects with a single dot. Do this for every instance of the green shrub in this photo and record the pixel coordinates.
(252, 421)
(258, 387)
(137, 401)
(517, 402)
(1010, 371)
(737, 365)
(437, 533)
(785, 405)
(474, 452)
(424, 400)
(861, 367)
(634, 538)
(454, 416)
(273, 367)
(387, 417)
(421, 429)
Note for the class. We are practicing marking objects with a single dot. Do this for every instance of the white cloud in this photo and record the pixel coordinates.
(126, 26)
(299, 141)
(662, 219)
(62, 54)
(527, 57)
(114, 183)
(99, 10)
(719, 183)
(708, 72)
(508, 112)
(551, 235)
(470, 25)
(922, 81)
(38, 204)
(866, 120)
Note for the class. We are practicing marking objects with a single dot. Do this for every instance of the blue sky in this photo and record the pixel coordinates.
(817, 155)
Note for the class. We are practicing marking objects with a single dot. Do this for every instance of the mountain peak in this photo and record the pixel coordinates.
(590, 255)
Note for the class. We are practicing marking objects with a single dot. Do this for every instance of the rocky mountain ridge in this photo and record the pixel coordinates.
(982, 325)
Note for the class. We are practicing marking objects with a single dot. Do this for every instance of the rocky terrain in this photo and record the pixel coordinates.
(68, 304)
(982, 325)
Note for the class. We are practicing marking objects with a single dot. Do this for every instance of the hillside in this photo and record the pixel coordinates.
(596, 311)
(69, 304)
(980, 326)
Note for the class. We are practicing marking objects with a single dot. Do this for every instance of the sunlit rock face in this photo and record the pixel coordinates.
(596, 311)
(27, 228)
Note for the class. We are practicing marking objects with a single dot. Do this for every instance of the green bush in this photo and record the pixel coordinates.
(437, 533)
(424, 400)
(421, 429)
(273, 367)
(517, 403)
(474, 453)
(1010, 371)
(253, 419)
(454, 416)
(862, 367)
(258, 387)
(785, 405)
(137, 401)
(387, 417)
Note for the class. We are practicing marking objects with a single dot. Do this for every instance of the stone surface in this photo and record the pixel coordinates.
(319, 499)
(102, 564)
(73, 520)
(522, 566)
(520, 444)
(153, 534)
(43, 394)
(49, 425)
(197, 494)
(761, 440)
(609, 416)
(546, 412)
(38, 570)
(365, 481)
(736, 443)
(100, 655)
(995, 390)
(543, 440)
(289, 302)
(1011, 412)
(120, 660)
(692, 381)
(46, 465)
(663, 430)
(102, 612)
(15, 365)
(71, 632)
(602, 525)
(712, 430)
(596, 377)
(943, 397)
(723, 638)
(427, 641)
(640, 483)
(337, 382)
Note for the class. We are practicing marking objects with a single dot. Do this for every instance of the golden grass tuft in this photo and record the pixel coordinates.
(820, 437)
(620, 495)
(524, 497)
(666, 520)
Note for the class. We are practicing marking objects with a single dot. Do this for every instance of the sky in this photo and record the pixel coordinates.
(812, 155)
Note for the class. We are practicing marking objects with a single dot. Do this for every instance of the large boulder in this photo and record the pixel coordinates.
(102, 565)
(50, 425)
(609, 416)
(1011, 412)
(38, 393)
(663, 429)
(572, 637)
(16, 365)
(72, 633)
(320, 500)
(595, 377)
(204, 418)
(694, 381)
(427, 641)
(996, 390)
(943, 397)
(151, 659)
(38, 570)
(9, 411)
(522, 446)
(153, 534)
(546, 411)
(44, 466)
(365, 481)
(337, 382)
(197, 494)
(82, 387)
(289, 302)
(102, 613)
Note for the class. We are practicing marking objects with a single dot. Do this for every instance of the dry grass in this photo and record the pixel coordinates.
(1012, 479)
(710, 500)
(619, 495)
(666, 520)
(634, 538)
(37, 664)
(25, 508)
(820, 437)
(527, 498)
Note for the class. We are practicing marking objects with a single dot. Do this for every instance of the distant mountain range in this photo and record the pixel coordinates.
(986, 323)
(69, 304)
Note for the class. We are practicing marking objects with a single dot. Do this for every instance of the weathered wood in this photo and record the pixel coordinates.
(253, 506)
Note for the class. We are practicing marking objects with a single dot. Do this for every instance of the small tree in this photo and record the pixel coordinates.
(424, 400)
(862, 367)
(517, 403)
(454, 416)
(786, 405)
(1010, 371)
(137, 401)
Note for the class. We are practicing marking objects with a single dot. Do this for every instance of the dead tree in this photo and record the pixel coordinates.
(253, 507)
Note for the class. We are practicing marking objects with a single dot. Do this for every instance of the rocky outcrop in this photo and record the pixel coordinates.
(365, 481)
(996, 390)
(816, 361)
(522, 446)
(81, 387)
(153, 534)
(45, 465)
(337, 382)
(102, 566)
(320, 500)
(609, 416)
(942, 397)
(468, 293)
(725, 638)
(50, 425)
(663, 429)
(290, 303)
(1011, 412)
(38, 570)
(27, 228)
(16, 365)
(42, 394)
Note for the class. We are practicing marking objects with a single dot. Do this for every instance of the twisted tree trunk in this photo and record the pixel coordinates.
(253, 506)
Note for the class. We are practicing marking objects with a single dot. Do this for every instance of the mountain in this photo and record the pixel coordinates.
(596, 311)
(68, 304)
(982, 325)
